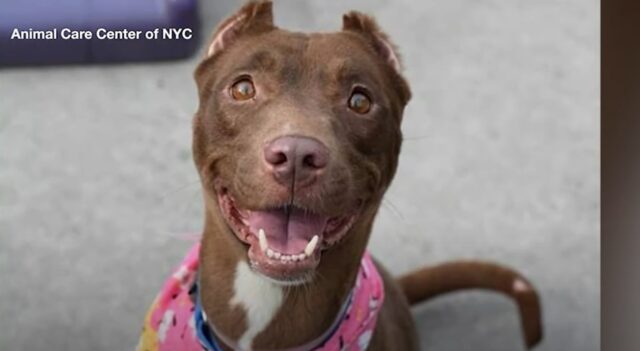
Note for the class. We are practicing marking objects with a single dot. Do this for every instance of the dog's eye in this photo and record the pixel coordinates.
(359, 103)
(243, 90)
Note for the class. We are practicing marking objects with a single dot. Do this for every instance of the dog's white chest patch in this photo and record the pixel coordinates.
(260, 299)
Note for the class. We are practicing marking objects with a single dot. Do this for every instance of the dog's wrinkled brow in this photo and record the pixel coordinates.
(285, 67)
(348, 71)
(261, 60)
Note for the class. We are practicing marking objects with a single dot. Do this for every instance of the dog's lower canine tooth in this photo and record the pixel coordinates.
(270, 253)
(262, 238)
(311, 246)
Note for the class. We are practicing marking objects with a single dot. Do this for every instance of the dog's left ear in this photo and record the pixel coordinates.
(366, 26)
(358, 22)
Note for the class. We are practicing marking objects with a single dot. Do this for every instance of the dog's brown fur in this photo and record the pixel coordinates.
(303, 81)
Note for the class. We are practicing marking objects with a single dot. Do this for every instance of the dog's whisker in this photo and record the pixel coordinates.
(417, 138)
(179, 189)
(393, 209)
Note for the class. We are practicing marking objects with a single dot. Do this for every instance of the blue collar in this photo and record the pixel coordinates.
(207, 337)
(202, 329)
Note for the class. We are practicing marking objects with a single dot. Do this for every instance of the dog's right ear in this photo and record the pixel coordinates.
(254, 17)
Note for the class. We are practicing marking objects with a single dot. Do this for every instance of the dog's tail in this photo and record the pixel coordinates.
(429, 282)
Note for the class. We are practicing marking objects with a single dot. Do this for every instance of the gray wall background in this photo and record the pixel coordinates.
(99, 198)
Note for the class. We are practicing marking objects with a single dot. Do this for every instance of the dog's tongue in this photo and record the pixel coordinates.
(287, 232)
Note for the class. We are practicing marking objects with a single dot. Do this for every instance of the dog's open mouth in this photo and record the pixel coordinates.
(284, 243)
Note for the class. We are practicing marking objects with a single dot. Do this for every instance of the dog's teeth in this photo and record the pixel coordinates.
(301, 257)
(276, 254)
(311, 246)
(270, 253)
(262, 238)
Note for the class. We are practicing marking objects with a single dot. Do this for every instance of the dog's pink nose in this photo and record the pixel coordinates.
(293, 156)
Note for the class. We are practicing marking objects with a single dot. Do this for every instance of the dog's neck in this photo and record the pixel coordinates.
(258, 313)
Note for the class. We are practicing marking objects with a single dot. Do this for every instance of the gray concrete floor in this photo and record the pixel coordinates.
(98, 195)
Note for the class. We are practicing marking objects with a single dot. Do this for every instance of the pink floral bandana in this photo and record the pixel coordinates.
(175, 321)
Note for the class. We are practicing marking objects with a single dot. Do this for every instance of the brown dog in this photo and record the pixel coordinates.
(296, 139)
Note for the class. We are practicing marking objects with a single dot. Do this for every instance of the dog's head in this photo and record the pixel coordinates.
(297, 136)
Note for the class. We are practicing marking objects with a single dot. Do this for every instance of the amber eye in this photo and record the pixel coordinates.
(359, 103)
(243, 90)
